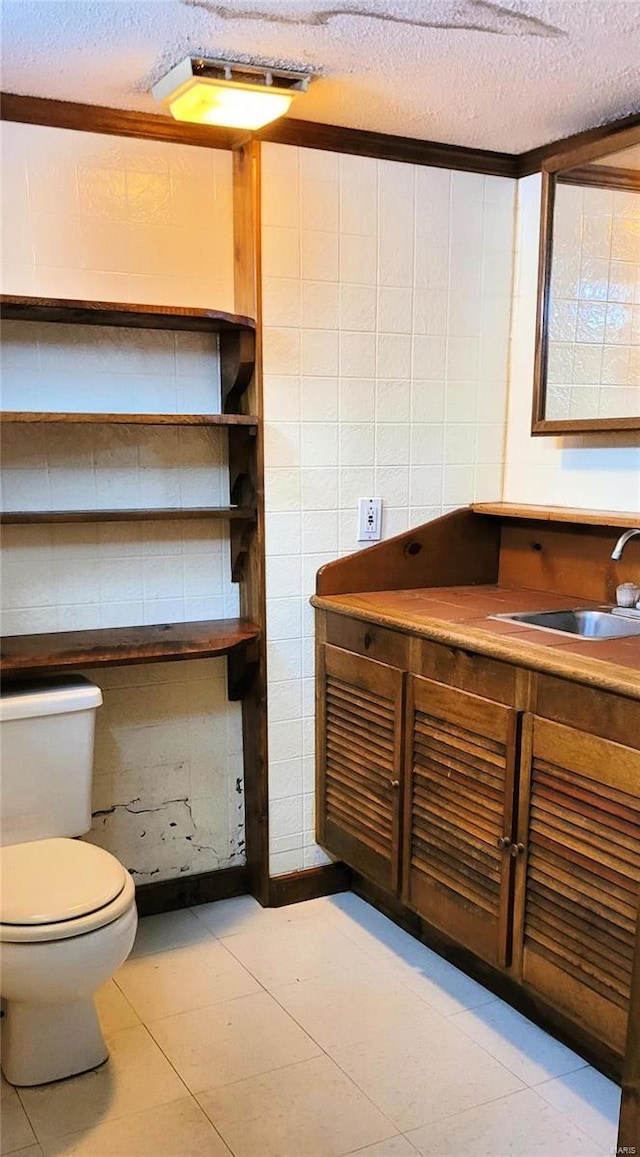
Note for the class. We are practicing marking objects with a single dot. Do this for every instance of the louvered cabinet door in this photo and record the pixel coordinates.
(359, 723)
(459, 814)
(579, 876)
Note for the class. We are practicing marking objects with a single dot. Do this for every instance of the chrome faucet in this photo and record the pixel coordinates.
(616, 553)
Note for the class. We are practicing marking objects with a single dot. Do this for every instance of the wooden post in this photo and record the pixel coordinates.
(248, 297)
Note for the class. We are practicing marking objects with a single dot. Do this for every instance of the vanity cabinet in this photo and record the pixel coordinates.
(458, 812)
(579, 873)
(513, 834)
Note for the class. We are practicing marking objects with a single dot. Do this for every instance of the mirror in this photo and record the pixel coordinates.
(587, 370)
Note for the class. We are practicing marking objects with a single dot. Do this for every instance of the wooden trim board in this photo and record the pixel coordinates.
(93, 118)
(185, 891)
(305, 134)
(309, 884)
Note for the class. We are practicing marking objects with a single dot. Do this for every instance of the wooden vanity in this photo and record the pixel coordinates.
(482, 778)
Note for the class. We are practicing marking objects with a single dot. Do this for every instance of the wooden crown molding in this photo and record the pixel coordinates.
(119, 122)
(305, 134)
(333, 138)
(533, 160)
(91, 118)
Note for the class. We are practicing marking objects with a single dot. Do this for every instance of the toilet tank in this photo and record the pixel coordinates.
(46, 758)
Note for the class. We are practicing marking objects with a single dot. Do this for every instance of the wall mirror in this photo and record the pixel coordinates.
(587, 367)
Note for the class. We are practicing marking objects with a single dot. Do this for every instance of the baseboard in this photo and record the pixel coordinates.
(185, 891)
(308, 884)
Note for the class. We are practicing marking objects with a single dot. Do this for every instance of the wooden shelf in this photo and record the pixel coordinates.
(49, 416)
(114, 313)
(122, 646)
(149, 514)
(559, 514)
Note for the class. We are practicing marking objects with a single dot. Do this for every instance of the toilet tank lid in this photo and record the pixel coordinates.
(49, 697)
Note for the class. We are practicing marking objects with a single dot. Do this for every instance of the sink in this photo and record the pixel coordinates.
(603, 624)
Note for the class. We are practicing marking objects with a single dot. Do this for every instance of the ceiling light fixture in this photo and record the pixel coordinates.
(220, 92)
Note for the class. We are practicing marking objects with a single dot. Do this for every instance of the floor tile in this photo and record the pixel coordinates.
(231, 1041)
(416, 1077)
(439, 983)
(309, 1109)
(522, 1125)
(283, 954)
(395, 1147)
(181, 979)
(168, 930)
(359, 1005)
(434, 979)
(114, 1010)
(31, 1151)
(521, 1046)
(180, 1129)
(15, 1130)
(137, 1076)
(589, 1100)
(244, 914)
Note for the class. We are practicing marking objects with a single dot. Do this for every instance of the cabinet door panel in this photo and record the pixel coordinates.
(458, 806)
(359, 751)
(577, 895)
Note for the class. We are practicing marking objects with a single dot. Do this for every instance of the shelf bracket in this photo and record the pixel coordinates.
(242, 669)
(241, 536)
(237, 362)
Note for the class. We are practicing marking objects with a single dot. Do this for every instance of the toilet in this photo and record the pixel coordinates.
(67, 908)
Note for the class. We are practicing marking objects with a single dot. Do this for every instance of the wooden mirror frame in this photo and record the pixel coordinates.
(610, 142)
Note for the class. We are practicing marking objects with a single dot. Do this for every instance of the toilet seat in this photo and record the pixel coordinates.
(58, 888)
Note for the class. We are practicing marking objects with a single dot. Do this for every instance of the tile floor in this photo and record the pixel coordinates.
(318, 1030)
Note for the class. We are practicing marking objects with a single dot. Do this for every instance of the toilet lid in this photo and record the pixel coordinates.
(49, 881)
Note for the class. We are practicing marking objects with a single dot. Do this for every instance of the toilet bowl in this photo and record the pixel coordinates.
(67, 922)
(67, 908)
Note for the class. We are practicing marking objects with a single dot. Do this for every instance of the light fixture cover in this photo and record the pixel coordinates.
(219, 92)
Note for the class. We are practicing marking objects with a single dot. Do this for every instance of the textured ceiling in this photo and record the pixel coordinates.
(507, 76)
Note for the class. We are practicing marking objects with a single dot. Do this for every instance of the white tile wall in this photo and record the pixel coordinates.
(387, 295)
(601, 472)
(97, 217)
(168, 794)
(594, 315)
(115, 219)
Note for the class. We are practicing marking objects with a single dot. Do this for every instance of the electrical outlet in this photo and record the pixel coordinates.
(369, 519)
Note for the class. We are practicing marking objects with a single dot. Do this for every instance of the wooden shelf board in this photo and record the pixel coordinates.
(122, 646)
(150, 514)
(559, 514)
(122, 313)
(29, 416)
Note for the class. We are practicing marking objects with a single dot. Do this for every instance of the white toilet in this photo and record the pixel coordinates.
(67, 909)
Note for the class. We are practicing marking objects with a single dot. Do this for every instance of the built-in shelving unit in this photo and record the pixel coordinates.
(241, 640)
(150, 514)
(120, 646)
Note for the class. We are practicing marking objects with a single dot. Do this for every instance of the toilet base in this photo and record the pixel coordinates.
(47, 1042)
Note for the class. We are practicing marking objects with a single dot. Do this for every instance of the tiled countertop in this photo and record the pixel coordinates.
(458, 616)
